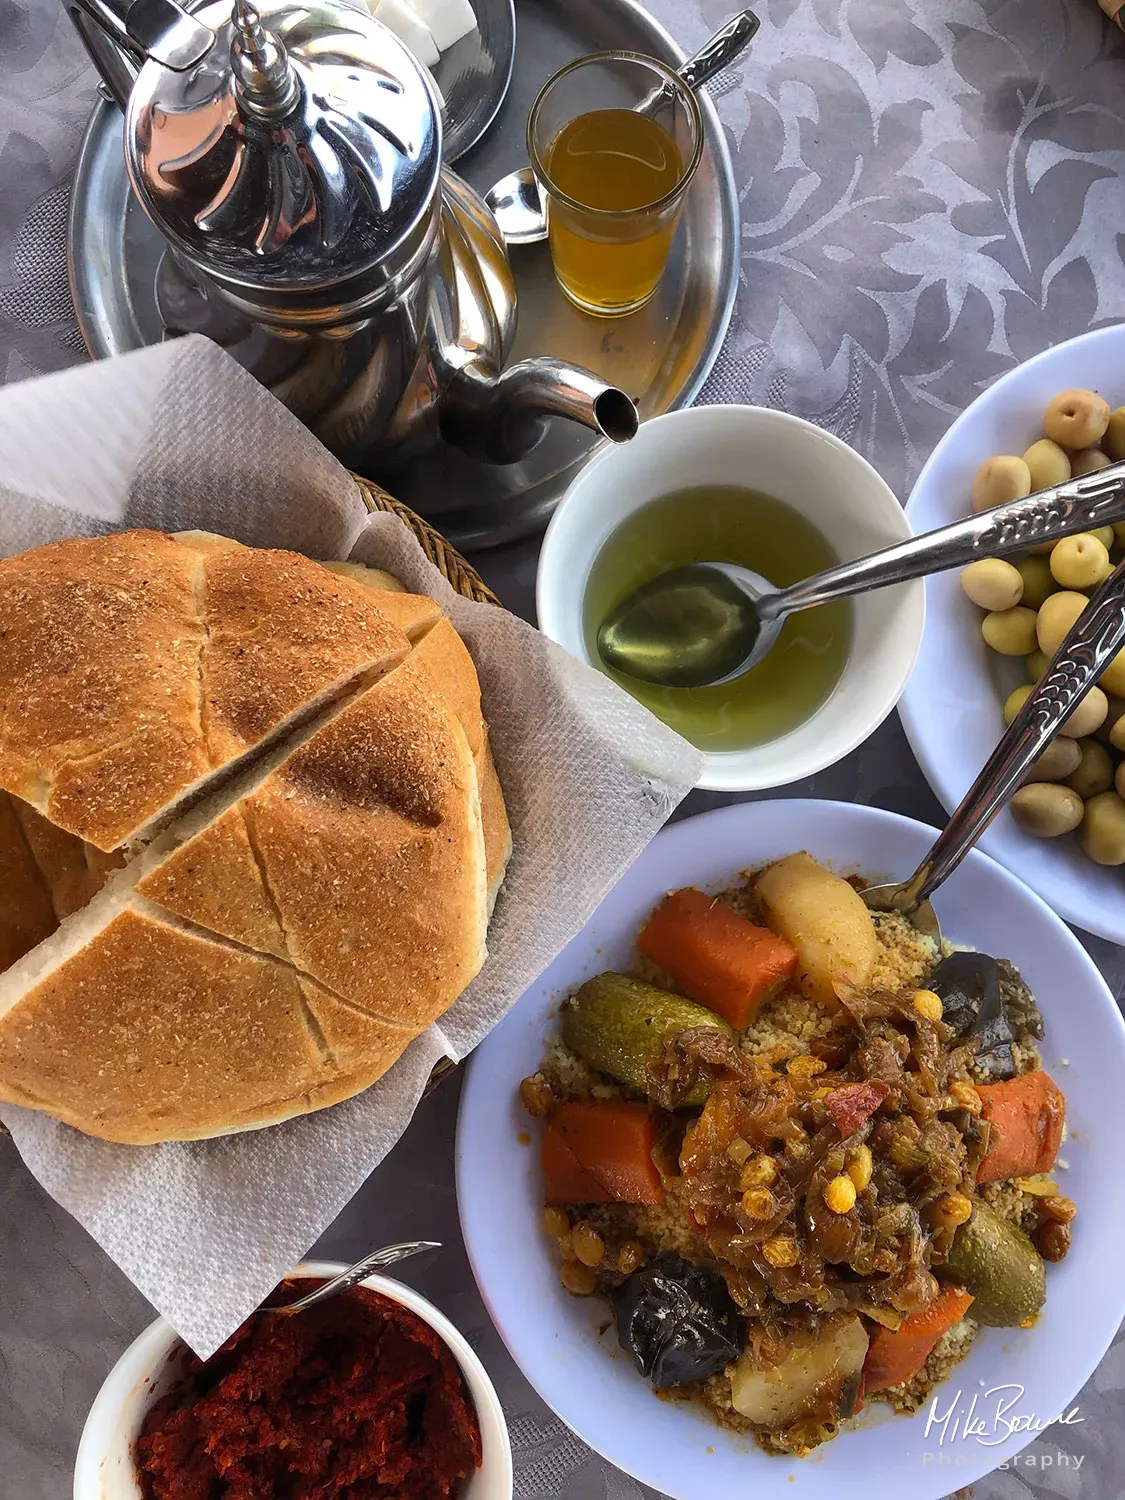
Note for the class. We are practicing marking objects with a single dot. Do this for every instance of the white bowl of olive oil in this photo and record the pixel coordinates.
(747, 485)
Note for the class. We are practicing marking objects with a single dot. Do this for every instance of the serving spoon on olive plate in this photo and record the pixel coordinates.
(709, 622)
(1093, 642)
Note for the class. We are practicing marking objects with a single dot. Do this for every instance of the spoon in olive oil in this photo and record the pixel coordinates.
(709, 622)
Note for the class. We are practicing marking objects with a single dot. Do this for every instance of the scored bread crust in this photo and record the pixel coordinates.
(366, 848)
(231, 1039)
(203, 655)
(351, 864)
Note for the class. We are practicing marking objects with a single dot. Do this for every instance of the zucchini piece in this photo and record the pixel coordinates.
(620, 1025)
(1000, 1266)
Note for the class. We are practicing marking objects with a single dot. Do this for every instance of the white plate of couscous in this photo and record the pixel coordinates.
(954, 704)
(762, 1192)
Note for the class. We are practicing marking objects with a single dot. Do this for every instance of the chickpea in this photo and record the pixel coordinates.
(1094, 772)
(1103, 829)
(1056, 619)
(1011, 631)
(1046, 810)
(1061, 759)
(1079, 562)
(1016, 700)
(631, 1257)
(999, 480)
(1038, 582)
(1047, 464)
(1087, 717)
(556, 1222)
(1113, 678)
(1114, 441)
(1076, 419)
(1036, 664)
(1087, 461)
(1059, 1208)
(992, 583)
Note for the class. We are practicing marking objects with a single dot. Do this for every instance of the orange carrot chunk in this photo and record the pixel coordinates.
(895, 1356)
(716, 957)
(1027, 1116)
(600, 1151)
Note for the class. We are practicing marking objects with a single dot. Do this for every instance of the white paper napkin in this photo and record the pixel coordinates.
(178, 437)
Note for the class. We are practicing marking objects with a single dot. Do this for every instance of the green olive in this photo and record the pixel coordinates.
(1117, 732)
(1103, 829)
(1037, 663)
(1088, 717)
(1038, 581)
(1047, 464)
(999, 480)
(1094, 772)
(1113, 678)
(1015, 701)
(1056, 618)
(1114, 441)
(1011, 631)
(992, 583)
(1104, 535)
(1115, 712)
(1119, 778)
(1076, 419)
(1045, 810)
(1060, 760)
(1119, 528)
(1079, 562)
(1087, 461)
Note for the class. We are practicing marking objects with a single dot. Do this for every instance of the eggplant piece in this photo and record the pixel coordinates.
(972, 1002)
(677, 1321)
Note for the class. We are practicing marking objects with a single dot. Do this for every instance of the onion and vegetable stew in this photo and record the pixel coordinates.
(802, 1154)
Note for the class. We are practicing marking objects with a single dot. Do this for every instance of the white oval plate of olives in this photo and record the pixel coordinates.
(988, 629)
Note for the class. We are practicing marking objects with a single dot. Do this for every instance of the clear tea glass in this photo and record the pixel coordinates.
(614, 140)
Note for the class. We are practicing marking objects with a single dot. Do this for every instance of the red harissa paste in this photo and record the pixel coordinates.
(355, 1399)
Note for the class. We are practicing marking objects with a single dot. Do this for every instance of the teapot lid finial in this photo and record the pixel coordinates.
(265, 82)
(300, 156)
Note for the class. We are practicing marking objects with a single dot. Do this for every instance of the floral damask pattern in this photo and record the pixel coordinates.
(930, 193)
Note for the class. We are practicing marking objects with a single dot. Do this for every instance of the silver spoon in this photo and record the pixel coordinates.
(1076, 666)
(516, 200)
(388, 1256)
(708, 622)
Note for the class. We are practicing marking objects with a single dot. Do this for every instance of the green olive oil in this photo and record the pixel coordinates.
(723, 523)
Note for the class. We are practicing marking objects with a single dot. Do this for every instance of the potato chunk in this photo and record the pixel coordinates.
(824, 919)
(817, 1376)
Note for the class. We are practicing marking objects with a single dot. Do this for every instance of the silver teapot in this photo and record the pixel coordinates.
(291, 155)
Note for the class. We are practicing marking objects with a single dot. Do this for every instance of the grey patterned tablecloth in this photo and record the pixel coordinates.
(930, 193)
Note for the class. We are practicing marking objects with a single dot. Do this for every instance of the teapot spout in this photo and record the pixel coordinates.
(500, 418)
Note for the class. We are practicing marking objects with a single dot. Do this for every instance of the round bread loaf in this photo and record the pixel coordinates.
(250, 827)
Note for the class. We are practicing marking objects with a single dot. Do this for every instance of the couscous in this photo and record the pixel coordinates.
(803, 1154)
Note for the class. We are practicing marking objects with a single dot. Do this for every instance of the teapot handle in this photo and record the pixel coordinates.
(120, 34)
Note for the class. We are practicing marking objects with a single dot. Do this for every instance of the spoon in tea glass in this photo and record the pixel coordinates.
(389, 1255)
(1093, 642)
(516, 200)
(709, 622)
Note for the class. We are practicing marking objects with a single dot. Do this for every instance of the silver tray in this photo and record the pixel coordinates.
(661, 355)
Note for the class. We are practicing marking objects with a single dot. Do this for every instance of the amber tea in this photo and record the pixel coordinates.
(619, 163)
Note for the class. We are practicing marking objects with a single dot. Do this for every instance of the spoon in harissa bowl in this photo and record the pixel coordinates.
(709, 622)
(1093, 642)
(387, 1256)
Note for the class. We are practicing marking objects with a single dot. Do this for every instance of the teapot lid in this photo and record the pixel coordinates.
(302, 149)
